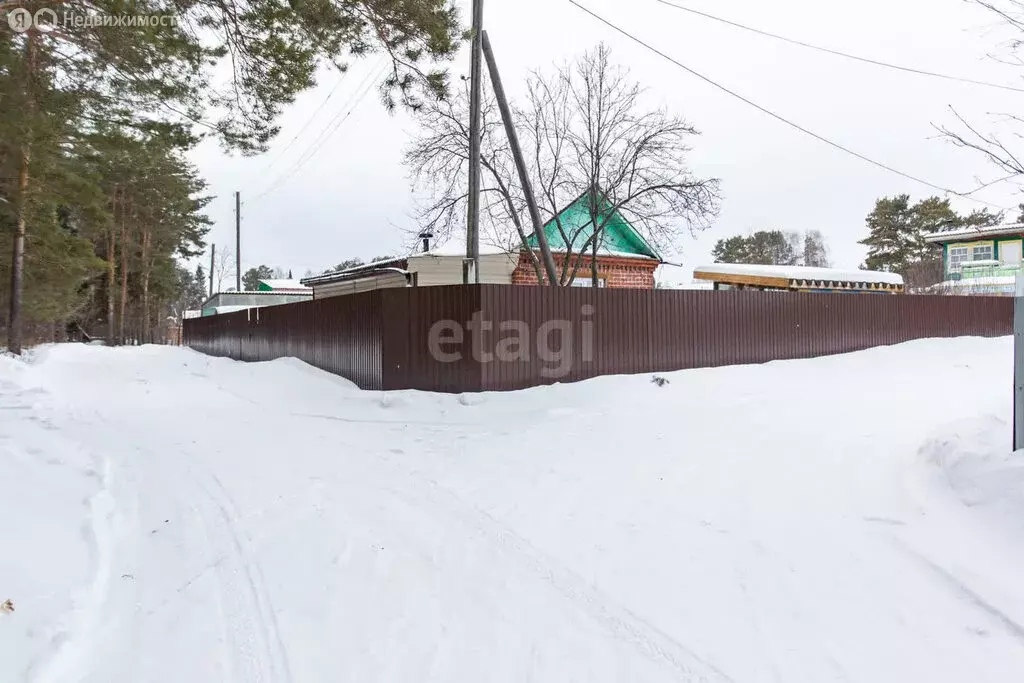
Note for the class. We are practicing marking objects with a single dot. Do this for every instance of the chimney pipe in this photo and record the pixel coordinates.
(425, 236)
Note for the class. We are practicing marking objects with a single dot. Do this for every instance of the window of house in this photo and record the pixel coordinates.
(957, 255)
(584, 281)
(981, 253)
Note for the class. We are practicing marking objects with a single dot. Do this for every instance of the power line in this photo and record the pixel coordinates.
(866, 60)
(312, 116)
(779, 117)
(325, 134)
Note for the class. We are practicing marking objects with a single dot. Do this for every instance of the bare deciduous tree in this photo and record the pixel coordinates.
(439, 161)
(815, 250)
(223, 268)
(1001, 143)
(586, 135)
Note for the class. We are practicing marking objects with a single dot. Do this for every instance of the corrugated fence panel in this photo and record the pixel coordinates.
(495, 337)
(341, 335)
(431, 339)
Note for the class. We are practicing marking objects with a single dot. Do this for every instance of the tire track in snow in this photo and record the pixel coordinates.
(258, 651)
(624, 624)
(1012, 627)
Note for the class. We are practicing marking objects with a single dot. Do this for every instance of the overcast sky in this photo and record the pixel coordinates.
(351, 196)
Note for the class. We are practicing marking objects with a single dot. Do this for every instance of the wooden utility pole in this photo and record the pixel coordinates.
(517, 155)
(213, 260)
(475, 87)
(238, 241)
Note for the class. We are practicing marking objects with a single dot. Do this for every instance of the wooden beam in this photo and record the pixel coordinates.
(755, 280)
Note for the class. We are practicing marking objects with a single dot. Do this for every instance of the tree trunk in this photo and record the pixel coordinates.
(111, 285)
(18, 253)
(18, 258)
(111, 273)
(147, 336)
(124, 281)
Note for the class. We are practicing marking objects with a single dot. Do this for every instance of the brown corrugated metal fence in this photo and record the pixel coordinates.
(495, 337)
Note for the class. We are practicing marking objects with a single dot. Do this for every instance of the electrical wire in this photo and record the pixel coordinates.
(312, 116)
(325, 134)
(838, 53)
(779, 117)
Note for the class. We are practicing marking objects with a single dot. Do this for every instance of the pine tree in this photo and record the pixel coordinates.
(982, 218)
(892, 238)
(61, 86)
(730, 250)
(199, 288)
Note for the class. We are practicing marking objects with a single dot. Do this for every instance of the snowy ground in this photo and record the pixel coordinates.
(170, 517)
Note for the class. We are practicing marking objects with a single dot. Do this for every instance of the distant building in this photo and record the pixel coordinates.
(295, 286)
(798, 279)
(624, 260)
(229, 302)
(982, 261)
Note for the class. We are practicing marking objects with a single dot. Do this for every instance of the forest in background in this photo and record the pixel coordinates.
(99, 206)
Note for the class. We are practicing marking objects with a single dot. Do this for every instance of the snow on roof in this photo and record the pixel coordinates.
(952, 235)
(457, 247)
(799, 273)
(284, 284)
(397, 263)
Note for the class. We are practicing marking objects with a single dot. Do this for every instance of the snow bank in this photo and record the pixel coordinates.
(974, 460)
(209, 520)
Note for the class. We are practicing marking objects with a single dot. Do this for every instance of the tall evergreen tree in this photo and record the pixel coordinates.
(199, 288)
(58, 86)
(982, 218)
(892, 239)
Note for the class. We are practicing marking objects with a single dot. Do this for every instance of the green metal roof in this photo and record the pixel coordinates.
(619, 236)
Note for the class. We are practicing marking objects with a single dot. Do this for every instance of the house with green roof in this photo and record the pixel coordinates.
(624, 259)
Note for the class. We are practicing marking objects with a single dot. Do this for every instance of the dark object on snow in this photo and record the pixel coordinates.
(7, 606)
(659, 380)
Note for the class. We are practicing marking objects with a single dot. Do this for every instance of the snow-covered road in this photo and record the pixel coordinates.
(168, 517)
